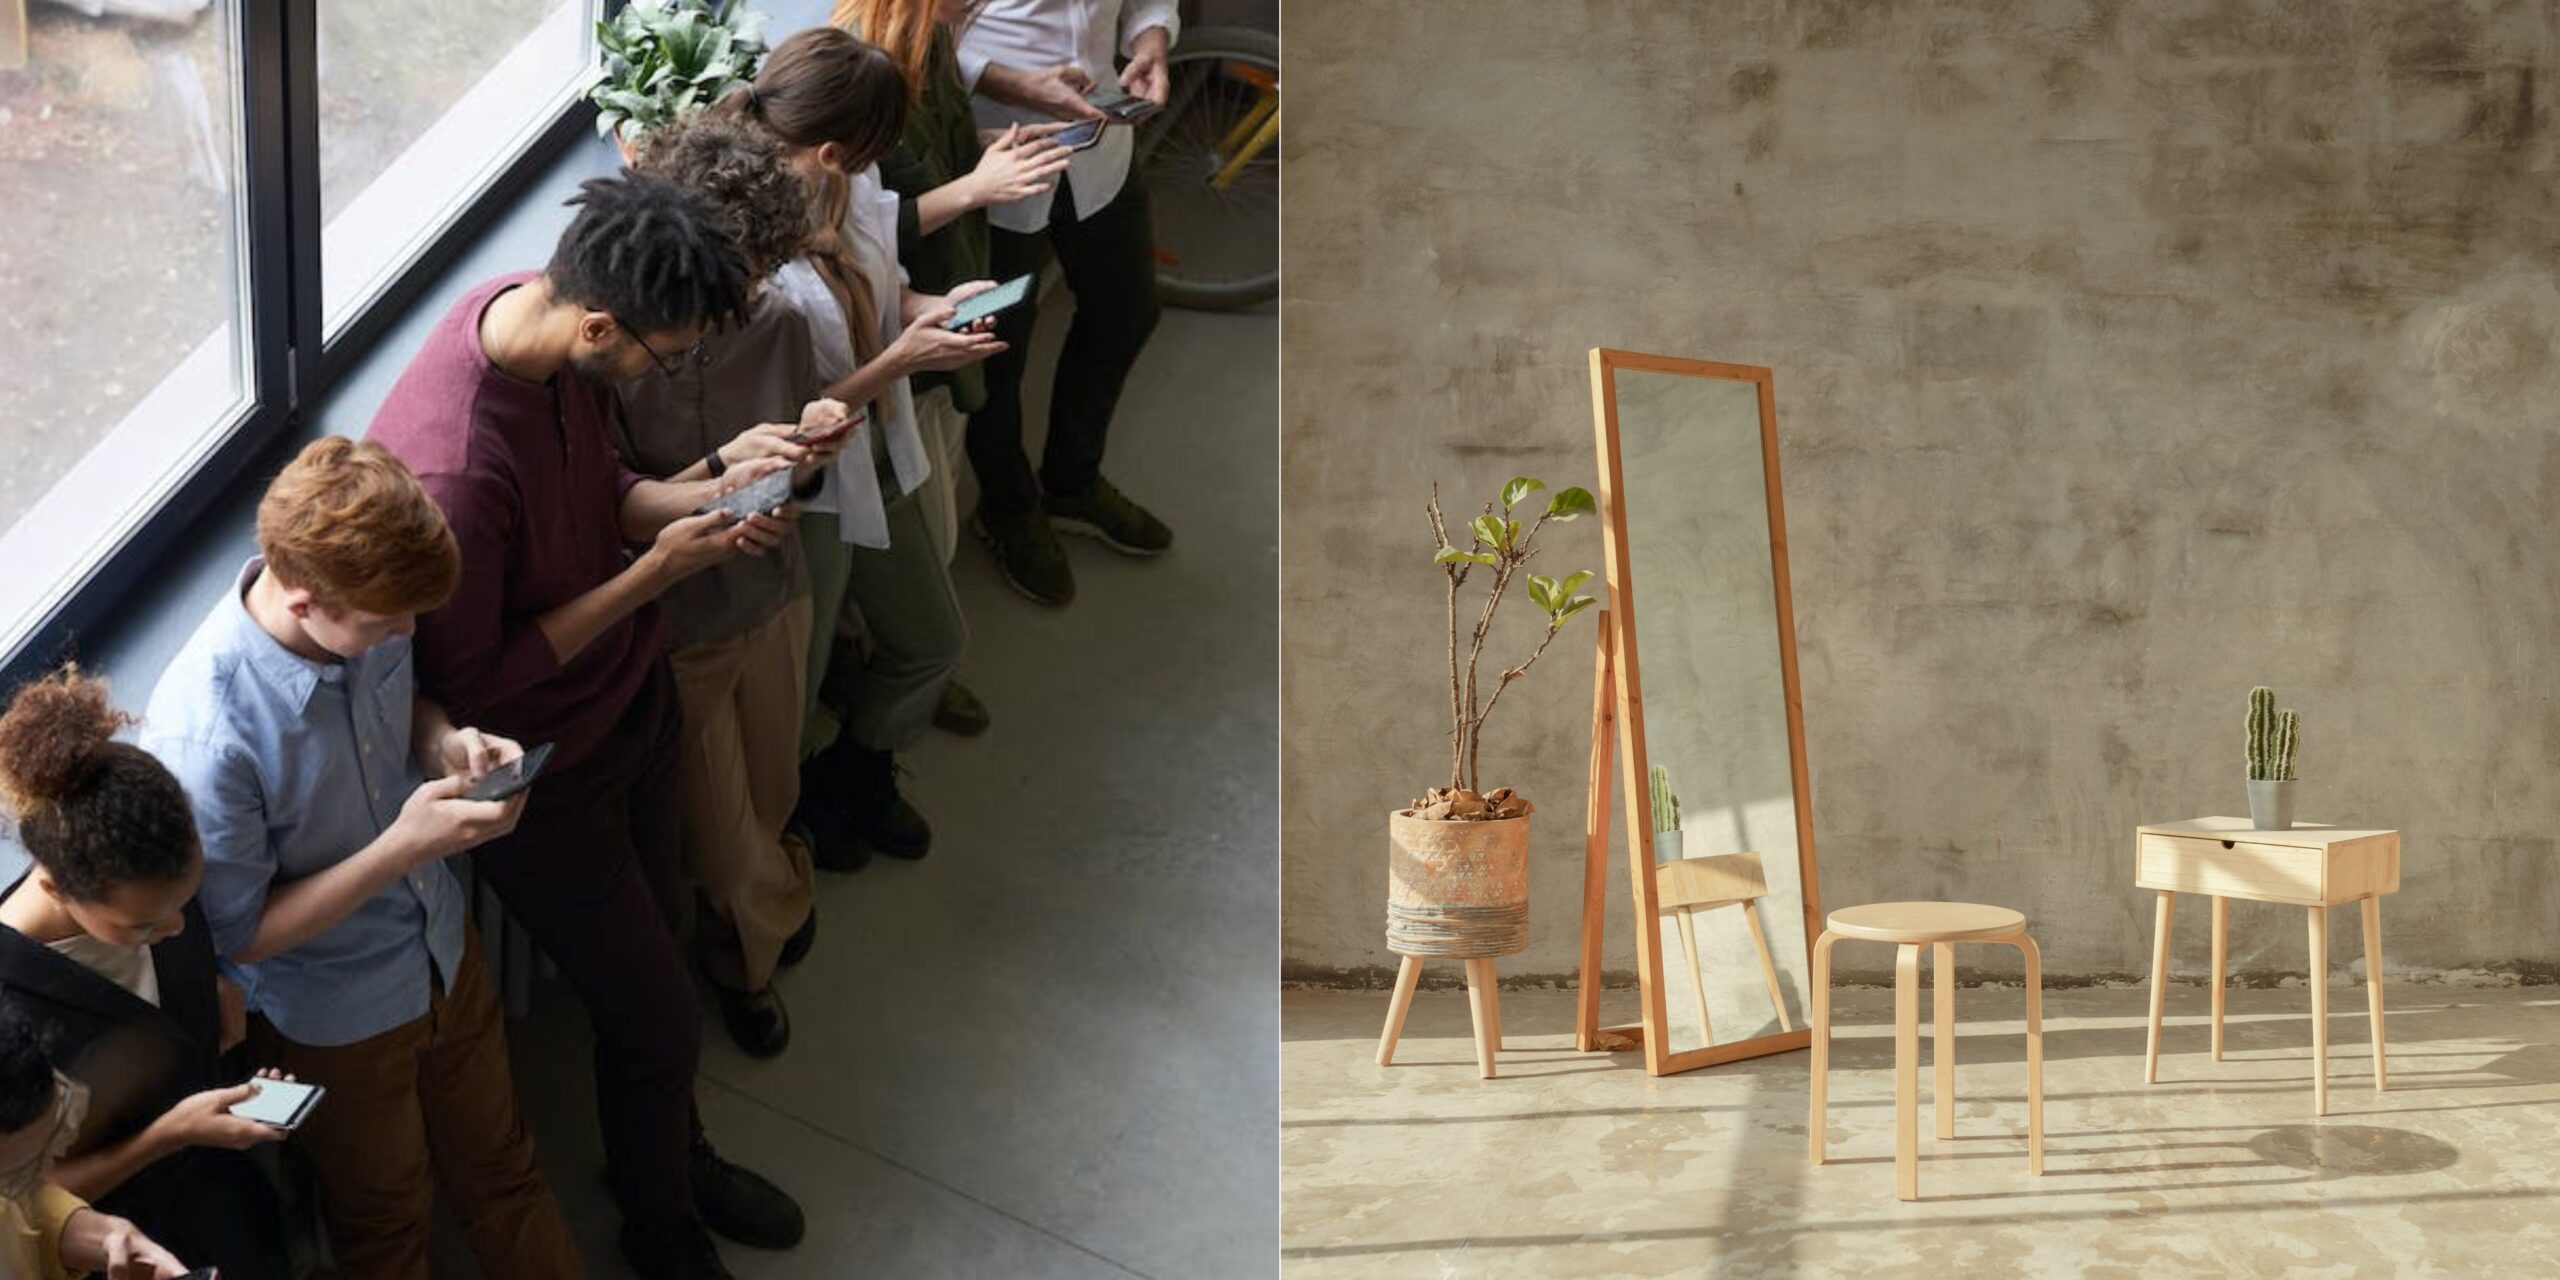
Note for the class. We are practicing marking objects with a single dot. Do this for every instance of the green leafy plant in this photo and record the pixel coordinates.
(663, 58)
(1498, 541)
(1666, 802)
(2273, 738)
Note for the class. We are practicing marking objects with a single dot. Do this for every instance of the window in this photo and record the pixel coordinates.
(174, 256)
(420, 106)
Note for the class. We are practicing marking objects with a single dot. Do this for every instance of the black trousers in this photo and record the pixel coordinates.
(1110, 265)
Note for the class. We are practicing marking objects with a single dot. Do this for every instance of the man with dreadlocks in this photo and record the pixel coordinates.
(505, 415)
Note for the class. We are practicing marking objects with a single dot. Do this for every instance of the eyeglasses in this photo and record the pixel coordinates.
(71, 1105)
(665, 365)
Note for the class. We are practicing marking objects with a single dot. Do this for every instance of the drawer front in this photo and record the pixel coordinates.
(2260, 872)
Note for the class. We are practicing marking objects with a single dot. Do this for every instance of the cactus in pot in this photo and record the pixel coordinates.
(1666, 817)
(2274, 737)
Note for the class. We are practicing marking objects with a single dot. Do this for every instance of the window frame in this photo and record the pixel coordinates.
(291, 359)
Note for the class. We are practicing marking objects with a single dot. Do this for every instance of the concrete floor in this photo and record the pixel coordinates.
(1573, 1165)
(1045, 1050)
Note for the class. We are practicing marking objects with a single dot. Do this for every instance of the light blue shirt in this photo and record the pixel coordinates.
(291, 766)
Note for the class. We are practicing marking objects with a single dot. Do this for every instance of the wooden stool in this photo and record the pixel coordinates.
(1484, 1003)
(1687, 886)
(1910, 925)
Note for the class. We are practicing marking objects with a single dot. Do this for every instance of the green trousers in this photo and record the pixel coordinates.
(900, 600)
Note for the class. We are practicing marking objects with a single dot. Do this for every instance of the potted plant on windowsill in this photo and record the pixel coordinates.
(658, 59)
(2273, 738)
(1458, 855)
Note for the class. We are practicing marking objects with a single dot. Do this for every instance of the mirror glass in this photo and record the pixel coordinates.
(1726, 868)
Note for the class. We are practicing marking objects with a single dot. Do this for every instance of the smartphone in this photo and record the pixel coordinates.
(280, 1104)
(1004, 297)
(1123, 108)
(203, 1273)
(761, 494)
(1081, 134)
(806, 435)
(511, 777)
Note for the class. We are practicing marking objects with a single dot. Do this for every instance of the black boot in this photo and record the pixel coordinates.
(825, 819)
(867, 780)
(740, 1204)
(756, 1020)
(679, 1250)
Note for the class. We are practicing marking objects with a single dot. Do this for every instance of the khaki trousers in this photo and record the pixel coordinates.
(424, 1105)
(739, 776)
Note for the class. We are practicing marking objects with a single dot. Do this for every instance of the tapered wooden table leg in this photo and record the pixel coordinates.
(2221, 916)
(1942, 1038)
(1480, 1003)
(2159, 983)
(1697, 974)
(1906, 1071)
(1818, 1121)
(1768, 970)
(2373, 981)
(2320, 1011)
(1407, 974)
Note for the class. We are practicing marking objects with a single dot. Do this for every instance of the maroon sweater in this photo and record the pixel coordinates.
(526, 474)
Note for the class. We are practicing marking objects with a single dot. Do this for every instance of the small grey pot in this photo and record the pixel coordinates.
(1666, 846)
(2271, 804)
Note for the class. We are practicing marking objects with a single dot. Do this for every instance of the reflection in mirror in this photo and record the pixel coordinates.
(1726, 868)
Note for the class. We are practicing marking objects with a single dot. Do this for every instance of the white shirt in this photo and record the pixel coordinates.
(852, 492)
(132, 968)
(1029, 35)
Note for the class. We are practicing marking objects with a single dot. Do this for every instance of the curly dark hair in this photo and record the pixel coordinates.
(763, 202)
(95, 812)
(26, 1075)
(654, 256)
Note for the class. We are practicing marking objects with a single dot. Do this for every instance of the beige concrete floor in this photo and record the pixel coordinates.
(1579, 1165)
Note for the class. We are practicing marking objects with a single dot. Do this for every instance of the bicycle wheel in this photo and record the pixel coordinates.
(1216, 248)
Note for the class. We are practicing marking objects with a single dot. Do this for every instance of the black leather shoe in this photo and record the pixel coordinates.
(796, 947)
(741, 1205)
(834, 840)
(756, 1019)
(680, 1250)
(959, 711)
(868, 782)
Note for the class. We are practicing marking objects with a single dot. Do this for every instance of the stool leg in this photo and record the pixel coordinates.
(2373, 980)
(1697, 974)
(1768, 970)
(2159, 983)
(2320, 1011)
(1815, 1123)
(1942, 1037)
(1407, 974)
(2221, 916)
(2035, 1053)
(1906, 1071)
(1480, 1004)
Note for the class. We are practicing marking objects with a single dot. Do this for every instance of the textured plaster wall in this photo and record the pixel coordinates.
(2126, 356)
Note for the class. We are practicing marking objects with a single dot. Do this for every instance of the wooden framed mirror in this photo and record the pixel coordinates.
(1697, 684)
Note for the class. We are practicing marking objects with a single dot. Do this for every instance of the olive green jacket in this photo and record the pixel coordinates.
(941, 144)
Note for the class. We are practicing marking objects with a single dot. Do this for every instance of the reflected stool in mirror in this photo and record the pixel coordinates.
(1910, 926)
(1687, 886)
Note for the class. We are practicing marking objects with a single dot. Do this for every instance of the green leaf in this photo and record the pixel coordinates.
(1450, 555)
(1568, 504)
(1542, 591)
(1572, 607)
(1511, 533)
(1488, 530)
(1520, 487)
(1579, 577)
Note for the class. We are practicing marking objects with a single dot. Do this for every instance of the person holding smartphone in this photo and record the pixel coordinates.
(741, 629)
(103, 946)
(46, 1232)
(838, 105)
(328, 795)
(505, 415)
(1033, 61)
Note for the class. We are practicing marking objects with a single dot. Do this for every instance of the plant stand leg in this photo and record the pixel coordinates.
(1480, 1004)
(1942, 1038)
(2159, 982)
(2373, 981)
(1815, 1124)
(1407, 975)
(1697, 974)
(1768, 969)
(2221, 917)
(1906, 1071)
(2320, 1011)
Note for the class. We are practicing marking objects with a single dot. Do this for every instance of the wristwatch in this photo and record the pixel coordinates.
(712, 460)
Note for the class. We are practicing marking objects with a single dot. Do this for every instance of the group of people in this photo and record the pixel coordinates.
(528, 551)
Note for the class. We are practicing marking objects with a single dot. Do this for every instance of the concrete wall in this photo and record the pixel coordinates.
(2126, 356)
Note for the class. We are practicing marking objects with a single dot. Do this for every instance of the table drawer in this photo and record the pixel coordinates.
(2306, 875)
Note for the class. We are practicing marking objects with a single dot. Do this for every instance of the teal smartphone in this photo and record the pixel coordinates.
(1004, 297)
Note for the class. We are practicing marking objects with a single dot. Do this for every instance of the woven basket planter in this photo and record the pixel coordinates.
(1458, 890)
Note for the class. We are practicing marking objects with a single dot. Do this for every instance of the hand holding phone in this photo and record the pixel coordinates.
(1121, 106)
(762, 494)
(1081, 134)
(1004, 297)
(511, 777)
(279, 1104)
(822, 420)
